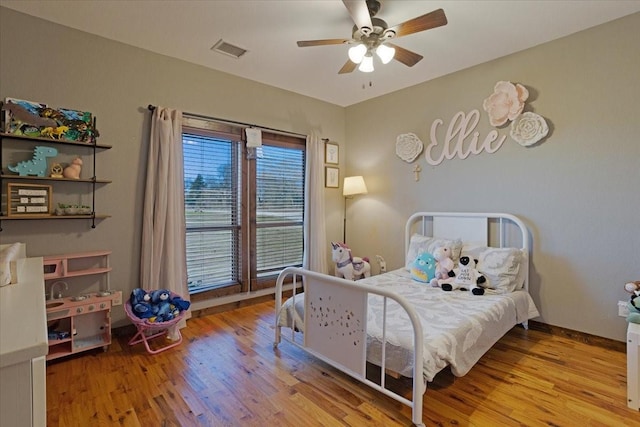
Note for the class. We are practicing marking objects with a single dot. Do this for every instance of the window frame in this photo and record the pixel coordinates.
(248, 280)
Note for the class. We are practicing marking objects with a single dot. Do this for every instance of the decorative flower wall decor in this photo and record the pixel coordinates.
(408, 147)
(460, 138)
(528, 128)
(507, 103)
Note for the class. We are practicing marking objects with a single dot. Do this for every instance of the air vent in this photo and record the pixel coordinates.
(228, 49)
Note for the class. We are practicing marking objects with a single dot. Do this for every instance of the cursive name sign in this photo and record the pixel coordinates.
(460, 139)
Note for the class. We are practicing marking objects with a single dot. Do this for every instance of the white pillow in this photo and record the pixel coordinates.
(7, 256)
(420, 244)
(503, 267)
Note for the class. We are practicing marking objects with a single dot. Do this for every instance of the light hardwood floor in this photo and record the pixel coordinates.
(226, 373)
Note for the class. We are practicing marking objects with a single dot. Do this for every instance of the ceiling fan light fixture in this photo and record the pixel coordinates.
(356, 53)
(366, 66)
(385, 53)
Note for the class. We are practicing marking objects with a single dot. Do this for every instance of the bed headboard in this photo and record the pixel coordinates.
(499, 230)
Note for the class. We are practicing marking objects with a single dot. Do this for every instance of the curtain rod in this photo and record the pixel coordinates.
(200, 116)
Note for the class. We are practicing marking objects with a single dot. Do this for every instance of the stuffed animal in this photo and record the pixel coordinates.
(157, 306)
(141, 303)
(423, 268)
(348, 266)
(179, 303)
(634, 303)
(444, 264)
(464, 277)
(161, 306)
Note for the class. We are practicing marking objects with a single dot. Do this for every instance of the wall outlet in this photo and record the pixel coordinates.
(623, 310)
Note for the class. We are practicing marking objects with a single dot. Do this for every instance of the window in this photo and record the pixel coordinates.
(244, 214)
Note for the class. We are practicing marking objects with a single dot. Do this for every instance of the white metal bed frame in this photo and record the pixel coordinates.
(326, 297)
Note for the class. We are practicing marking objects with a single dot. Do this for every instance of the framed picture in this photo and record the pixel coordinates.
(28, 200)
(331, 153)
(331, 177)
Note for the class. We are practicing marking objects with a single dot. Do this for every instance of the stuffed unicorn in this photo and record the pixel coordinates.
(347, 266)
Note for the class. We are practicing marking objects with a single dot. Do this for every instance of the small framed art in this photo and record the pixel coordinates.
(331, 153)
(331, 177)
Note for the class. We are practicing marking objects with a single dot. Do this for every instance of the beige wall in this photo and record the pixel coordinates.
(46, 62)
(579, 192)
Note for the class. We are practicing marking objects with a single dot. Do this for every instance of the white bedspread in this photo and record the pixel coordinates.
(458, 327)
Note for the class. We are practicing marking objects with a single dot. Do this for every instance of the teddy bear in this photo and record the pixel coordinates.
(423, 268)
(634, 303)
(161, 305)
(465, 277)
(157, 306)
(444, 264)
(141, 303)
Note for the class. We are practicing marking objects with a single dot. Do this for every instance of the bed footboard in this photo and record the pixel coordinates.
(335, 329)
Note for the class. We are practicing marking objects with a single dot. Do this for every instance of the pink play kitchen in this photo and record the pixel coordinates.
(78, 311)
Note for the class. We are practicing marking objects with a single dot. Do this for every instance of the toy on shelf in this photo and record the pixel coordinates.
(37, 166)
(38, 120)
(56, 170)
(73, 170)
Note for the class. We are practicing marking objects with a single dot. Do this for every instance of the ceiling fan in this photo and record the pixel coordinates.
(371, 35)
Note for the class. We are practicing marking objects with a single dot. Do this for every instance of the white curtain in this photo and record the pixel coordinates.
(163, 255)
(315, 240)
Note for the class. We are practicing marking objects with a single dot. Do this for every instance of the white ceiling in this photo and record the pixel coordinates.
(478, 31)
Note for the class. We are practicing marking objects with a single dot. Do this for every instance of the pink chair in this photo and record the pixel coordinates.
(150, 330)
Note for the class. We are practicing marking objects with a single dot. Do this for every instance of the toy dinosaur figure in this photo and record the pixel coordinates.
(37, 166)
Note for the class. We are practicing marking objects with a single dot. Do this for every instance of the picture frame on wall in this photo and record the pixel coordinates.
(331, 177)
(24, 200)
(331, 153)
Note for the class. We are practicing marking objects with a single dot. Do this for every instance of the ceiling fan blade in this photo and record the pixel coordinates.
(434, 19)
(359, 13)
(348, 67)
(306, 43)
(405, 56)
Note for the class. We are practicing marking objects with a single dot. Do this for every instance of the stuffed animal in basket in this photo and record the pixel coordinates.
(444, 264)
(161, 305)
(141, 303)
(634, 303)
(465, 277)
(423, 268)
(348, 266)
(158, 305)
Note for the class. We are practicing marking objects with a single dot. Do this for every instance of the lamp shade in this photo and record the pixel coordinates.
(356, 53)
(366, 66)
(354, 185)
(385, 53)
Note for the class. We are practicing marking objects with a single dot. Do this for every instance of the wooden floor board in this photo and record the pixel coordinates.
(227, 373)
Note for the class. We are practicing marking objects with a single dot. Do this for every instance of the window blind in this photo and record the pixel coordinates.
(212, 211)
(279, 208)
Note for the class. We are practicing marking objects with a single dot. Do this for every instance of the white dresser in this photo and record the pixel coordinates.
(23, 347)
(633, 366)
